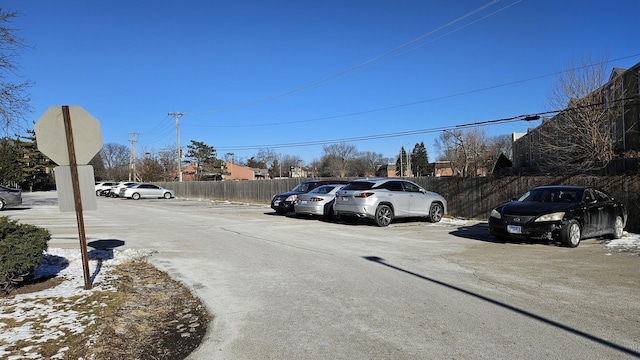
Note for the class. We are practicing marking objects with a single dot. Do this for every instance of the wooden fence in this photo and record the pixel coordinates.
(468, 198)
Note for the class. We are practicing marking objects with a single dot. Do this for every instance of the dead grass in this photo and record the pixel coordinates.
(149, 316)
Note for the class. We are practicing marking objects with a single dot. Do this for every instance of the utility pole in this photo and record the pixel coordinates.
(177, 115)
(401, 169)
(132, 157)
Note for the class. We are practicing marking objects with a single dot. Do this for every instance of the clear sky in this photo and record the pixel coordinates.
(292, 76)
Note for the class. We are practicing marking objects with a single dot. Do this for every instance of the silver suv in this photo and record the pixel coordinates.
(384, 199)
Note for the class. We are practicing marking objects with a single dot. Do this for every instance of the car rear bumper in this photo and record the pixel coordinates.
(310, 210)
(351, 210)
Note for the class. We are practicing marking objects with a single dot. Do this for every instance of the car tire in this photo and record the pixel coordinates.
(135, 196)
(98, 192)
(618, 228)
(167, 195)
(3, 205)
(384, 215)
(570, 234)
(436, 211)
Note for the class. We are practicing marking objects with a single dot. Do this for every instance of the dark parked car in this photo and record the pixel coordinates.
(9, 197)
(283, 203)
(559, 213)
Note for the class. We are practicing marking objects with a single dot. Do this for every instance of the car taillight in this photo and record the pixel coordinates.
(363, 195)
(316, 199)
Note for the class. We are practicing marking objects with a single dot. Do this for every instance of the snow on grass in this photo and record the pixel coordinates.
(33, 319)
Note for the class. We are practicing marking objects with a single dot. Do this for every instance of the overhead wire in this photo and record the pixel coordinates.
(523, 117)
(355, 67)
(414, 102)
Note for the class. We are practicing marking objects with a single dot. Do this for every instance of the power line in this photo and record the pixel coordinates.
(365, 63)
(414, 102)
(525, 117)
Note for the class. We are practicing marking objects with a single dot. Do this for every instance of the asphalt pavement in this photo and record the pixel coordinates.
(282, 287)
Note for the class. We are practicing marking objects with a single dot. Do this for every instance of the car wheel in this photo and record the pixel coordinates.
(135, 196)
(98, 192)
(435, 212)
(167, 195)
(618, 228)
(3, 205)
(570, 234)
(384, 215)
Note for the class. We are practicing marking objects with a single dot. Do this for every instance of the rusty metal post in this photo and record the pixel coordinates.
(75, 181)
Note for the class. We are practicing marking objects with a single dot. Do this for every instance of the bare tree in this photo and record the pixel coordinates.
(14, 100)
(500, 144)
(336, 158)
(581, 137)
(365, 163)
(467, 150)
(116, 161)
(168, 162)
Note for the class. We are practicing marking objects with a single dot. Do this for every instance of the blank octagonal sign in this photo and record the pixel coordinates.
(52, 140)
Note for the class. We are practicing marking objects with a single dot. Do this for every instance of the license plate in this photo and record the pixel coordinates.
(513, 229)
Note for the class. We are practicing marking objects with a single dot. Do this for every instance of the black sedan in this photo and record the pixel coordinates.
(559, 213)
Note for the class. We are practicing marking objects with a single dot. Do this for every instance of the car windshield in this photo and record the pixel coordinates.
(358, 185)
(552, 195)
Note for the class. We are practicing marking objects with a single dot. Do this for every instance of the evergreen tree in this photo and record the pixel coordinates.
(36, 167)
(208, 167)
(10, 167)
(401, 163)
(419, 160)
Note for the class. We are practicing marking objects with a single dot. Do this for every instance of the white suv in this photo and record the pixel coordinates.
(383, 199)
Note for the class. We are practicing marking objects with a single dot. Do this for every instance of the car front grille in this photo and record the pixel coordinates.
(517, 219)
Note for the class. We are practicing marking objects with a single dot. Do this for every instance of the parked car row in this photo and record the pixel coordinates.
(565, 214)
(379, 199)
(133, 190)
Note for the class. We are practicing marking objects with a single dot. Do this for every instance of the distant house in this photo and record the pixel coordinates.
(189, 173)
(238, 172)
(442, 168)
(386, 170)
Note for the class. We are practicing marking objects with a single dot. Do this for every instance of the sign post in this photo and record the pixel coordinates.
(54, 125)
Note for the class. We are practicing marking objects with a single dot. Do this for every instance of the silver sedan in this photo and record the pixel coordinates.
(138, 191)
(318, 201)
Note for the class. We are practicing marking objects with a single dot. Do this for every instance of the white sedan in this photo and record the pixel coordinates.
(138, 191)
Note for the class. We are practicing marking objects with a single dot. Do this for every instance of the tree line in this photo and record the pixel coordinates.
(580, 140)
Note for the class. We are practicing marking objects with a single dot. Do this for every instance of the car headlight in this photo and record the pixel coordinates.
(292, 198)
(495, 214)
(557, 216)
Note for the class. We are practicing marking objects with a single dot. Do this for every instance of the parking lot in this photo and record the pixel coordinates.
(282, 287)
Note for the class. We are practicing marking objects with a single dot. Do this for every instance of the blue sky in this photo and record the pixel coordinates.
(253, 74)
